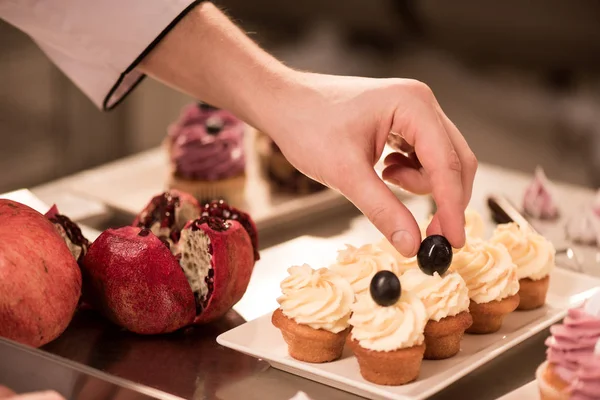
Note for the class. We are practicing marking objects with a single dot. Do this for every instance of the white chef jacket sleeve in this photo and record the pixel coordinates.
(97, 43)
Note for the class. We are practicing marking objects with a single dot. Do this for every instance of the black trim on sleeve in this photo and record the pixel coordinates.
(105, 105)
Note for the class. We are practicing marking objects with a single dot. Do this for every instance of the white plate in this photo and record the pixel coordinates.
(259, 338)
(528, 391)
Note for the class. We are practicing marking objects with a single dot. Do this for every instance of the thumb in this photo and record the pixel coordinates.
(375, 200)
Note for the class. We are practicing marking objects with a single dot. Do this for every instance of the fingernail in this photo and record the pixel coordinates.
(404, 242)
(393, 181)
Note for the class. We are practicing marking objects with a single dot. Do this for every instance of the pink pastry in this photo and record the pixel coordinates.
(572, 369)
(539, 199)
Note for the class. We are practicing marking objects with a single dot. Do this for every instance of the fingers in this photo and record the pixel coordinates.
(5, 392)
(371, 196)
(407, 173)
(467, 158)
(423, 128)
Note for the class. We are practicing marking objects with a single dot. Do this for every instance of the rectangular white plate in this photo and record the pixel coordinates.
(260, 339)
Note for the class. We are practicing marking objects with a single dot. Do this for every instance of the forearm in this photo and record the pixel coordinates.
(210, 58)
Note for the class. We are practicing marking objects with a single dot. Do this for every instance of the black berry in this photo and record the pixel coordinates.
(385, 288)
(435, 255)
(214, 126)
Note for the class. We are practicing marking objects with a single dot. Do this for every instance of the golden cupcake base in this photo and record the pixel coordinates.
(390, 368)
(533, 293)
(488, 317)
(443, 337)
(308, 344)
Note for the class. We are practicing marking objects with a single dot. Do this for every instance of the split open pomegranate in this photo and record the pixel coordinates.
(161, 275)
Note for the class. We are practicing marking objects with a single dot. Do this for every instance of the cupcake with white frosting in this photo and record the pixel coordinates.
(358, 265)
(446, 299)
(313, 313)
(403, 264)
(491, 277)
(388, 340)
(534, 256)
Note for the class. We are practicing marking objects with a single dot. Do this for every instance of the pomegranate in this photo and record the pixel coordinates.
(167, 213)
(150, 286)
(40, 281)
(70, 232)
(218, 208)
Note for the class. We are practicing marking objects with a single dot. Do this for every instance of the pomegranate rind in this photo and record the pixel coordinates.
(232, 263)
(137, 283)
(40, 281)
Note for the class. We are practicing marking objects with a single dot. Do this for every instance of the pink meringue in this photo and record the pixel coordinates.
(584, 227)
(539, 199)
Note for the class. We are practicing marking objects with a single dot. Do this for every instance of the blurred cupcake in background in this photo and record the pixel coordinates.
(207, 155)
(282, 175)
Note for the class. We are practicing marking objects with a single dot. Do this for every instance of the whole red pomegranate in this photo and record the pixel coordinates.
(150, 285)
(40, 281)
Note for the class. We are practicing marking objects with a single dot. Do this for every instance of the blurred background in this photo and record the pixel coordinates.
(519, 78)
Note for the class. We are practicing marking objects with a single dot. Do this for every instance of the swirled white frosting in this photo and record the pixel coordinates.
(531, 252)
(487, 269)
(388, 328)
(359, 265)
(319, 298)
(443, 296)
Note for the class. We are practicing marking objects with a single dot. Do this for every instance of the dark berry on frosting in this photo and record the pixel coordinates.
(435, 255)
(214, 126)
(385, 288)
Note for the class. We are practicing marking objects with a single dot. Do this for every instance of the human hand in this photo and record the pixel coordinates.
(7, 394)
(334, 129)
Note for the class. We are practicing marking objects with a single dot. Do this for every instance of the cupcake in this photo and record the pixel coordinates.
(313, 313)
(206, 153)
(387, 334)
(491, 277)
(358, 265)
(403, 263)
(572, 368)
(280, 172)
(539, 198)
(446, 299)
(534, 257)
(474, 225)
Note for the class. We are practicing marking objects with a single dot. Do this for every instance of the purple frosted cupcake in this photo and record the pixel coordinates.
(206, 150)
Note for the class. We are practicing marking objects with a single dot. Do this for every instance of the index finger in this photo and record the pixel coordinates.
(427, 134)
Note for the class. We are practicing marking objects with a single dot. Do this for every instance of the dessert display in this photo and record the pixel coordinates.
(40, 281)
(280, 172)
(539, 200)
(446, 299)
(534, 257)
(491, 277)
(572, 368)
(153, 284)
(313, 313)
(359, 265)
(207, 155)
(387, 334)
